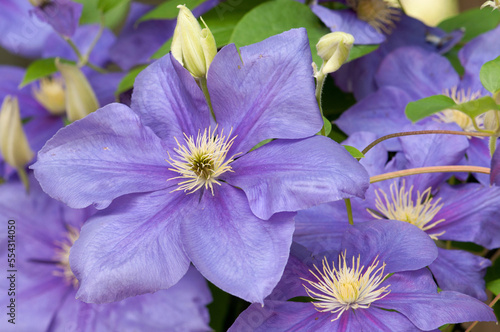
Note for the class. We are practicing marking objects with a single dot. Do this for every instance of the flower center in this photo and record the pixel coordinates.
(402, 207)
(348, 287)
(51, 95)
(380, 14)
(202, 160)
(454, 116)
(62, 256)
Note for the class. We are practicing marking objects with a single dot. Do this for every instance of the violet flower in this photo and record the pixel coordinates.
(46, 287)
(62, 15)
(465, 213)
(230, 215)
(377, 278)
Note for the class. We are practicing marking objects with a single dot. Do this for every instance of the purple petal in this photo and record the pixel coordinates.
(374, 161)
(381, 113)
(22, 33)
(430, 311)
(495, 168)
(475, 54)
(418, 72)
(461, 271)
(105, 85)
(238, 252)
(107, 154)
(471, 214)
(169, 101)
(348, 21)
(131, 248)
(62, 15)
(294, 175)
(268, 92)
(478, 154)
(400, 245)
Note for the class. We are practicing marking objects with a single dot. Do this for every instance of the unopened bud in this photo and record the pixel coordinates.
(334, 49)
(13, 142)
(51, 95)
(192, 46)
(491, 120)
(80, 98)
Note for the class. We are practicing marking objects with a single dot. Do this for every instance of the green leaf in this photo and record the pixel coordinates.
(112, 18)
(128, 81)
(417, 110)
(358, 51)
(474, 21)
(494, 286)
(264, 142)
(327, 125)
(490, 75)
(477, 107)
(274, 17)
(107, 5)
(168, 10)
(353, 151)
(40, 68)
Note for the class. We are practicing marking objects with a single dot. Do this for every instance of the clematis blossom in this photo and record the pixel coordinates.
(46, 287)
(375, 279)
(177, 187)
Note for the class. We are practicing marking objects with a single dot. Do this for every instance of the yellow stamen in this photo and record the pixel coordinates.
(200, 162)
(354, 287)
(402, 207)
(62, 256)
(380, 14)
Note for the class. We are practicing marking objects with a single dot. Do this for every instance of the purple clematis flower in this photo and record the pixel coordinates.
(495, 168)
(62, 15)
(46, 287)
(465, 213)
(377, 278)
(179, 188)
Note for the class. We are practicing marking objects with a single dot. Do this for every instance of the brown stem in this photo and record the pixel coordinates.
(431, 169)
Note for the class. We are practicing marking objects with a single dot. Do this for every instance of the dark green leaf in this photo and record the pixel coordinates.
(358, 51)
(494, 286)
(168, 10)
(274, 17)
(107, 5)
(353, 151)
(40, 68)
(490, 75)
(452, 56)
(474, 21)
(112, 18)
(128, 81)
(417, 110)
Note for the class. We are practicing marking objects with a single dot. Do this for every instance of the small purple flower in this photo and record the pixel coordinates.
(376, 278)
(465, 213)
(46, 287)
(179, 188)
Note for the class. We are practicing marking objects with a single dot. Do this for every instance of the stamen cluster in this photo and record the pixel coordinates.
(200, 162)
(348, 287)
(401, 206)
(62, 256)
(454, 116)
(378, 13)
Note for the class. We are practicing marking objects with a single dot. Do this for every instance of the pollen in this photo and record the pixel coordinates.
(201, 161)
(401, 206)
(380, 14)
(455, 116)
(337, 290)
(62, 256)
(51, 95)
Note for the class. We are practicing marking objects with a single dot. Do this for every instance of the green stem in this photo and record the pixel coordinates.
(24, 178)
(422, 132)
(74, 47)
(204, 88)
(431, 169)
(493, 144)
(97, 37)
(349, 210)
(320, 81)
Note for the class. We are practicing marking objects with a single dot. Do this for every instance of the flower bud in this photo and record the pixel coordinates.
(334, 49)
(51, 95)
(491, 120)
(495, 4)
(13, 142)
(80, 98)
(192, 46)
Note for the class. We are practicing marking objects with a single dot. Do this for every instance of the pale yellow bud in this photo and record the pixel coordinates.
(13, 142)
(334, 49)
(80, 98)
(495, 4)
(491, 120)
(192, 46)
(51, 95)
(431, 12)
